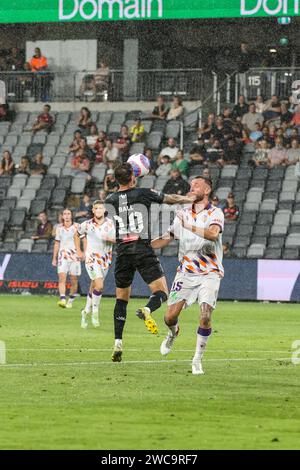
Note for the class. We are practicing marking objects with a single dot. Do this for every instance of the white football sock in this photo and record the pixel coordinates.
(96, 298)
(89, 302)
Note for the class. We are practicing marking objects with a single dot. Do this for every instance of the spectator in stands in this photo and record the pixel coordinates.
(102, 195)
(85, 209)
(277, 155)
(240, 109)
(165, 167)
(257, 133)
(137, 131)
(244, 64)
(294, 135)
(197, 153)
(161, 110)
(281, 133)
(84, 150)
(84, 121)
(207, 130)
(293, 154)
(4, 110)
(250, 119)
(80, 163)
(226, 250)
(75, 145)
(14, 60)
(246, 137)
(261, 155)
(206, 173)
(227, 118)
(24, 167)
(149, 154)
(59, 222)
(123, 143)
(101, 79)
(286, 115)
(273, 109)
(181, 164)
(176, 110)
(38, 167)
(265, 135)
(219, 131)
(171, 150)
(214, 153)
(110, 154)
(260, 105)
(231, 210)
(44, 121)
(7, 165)
(38, 62)
(292, 104)
(110, 183)
(93, 136)
(216, 201)
(296, 117)
(176, 184)
(99, 152)
(44, 229)
(231, 155)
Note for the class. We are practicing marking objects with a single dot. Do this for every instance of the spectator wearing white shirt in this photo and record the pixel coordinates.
(176, 110)
(251, 118)
(171, 150)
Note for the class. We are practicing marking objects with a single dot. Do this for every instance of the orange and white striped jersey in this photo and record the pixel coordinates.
(98, 249)
(191, 256)
(65, 236)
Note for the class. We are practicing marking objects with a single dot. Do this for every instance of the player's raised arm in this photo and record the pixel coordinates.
(162, 241)
(212, 233)
(178, 199)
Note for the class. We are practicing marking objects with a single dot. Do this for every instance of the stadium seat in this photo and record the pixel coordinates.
(44, 194)
(34, 181)
(118, 118)
(242, 242)
(5, 181)
(293, 240)
(19, 181)
(229, 171)
(40, 246)
(269, 205)
(239, 252)
(14, 192)
(276, 241)
(279, 230)
(37, 207)
(137, 148)
(172, 129)
(64, 182)
(29, 193)
(256, 251)
(248, 218)
(55, 171)
(9, 202)
(272, 253)
(153, 140)
(104, 118)
(2, 225)
(25, 245)
(8, 247)
(148, 182)
(17, 219)
(290, 253)
(4, 214)
(262, 230)
(242, 231)
(24, 203)
(160, 182)
(98, 173)
(58, 198)
(11, 140)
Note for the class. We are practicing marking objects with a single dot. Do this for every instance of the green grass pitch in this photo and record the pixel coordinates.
(59, 389)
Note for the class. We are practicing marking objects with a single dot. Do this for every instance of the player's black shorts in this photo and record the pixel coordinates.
(146, 263)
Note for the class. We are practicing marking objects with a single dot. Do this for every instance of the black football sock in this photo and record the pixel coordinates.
(156, 300)
(120, 314)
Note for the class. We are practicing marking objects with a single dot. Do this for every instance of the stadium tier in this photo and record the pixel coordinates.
(268, 225)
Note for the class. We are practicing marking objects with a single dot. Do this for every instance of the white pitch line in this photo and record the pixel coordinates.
(171, 361)
(233, 351)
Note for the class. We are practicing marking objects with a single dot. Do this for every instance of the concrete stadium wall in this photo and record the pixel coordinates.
(244, 279)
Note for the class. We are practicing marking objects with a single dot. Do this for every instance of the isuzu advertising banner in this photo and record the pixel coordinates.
(36, 11)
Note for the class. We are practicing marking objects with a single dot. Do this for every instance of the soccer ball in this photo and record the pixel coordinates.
(140, 164)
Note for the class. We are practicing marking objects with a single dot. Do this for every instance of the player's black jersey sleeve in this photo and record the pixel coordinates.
(149, 196)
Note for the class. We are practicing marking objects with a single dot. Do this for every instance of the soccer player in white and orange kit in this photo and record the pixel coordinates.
(199, 230)
(99, 235)
(65, 258)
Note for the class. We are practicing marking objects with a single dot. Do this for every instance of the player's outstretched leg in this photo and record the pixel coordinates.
(203, 334)
(87, 309)
(62, 278)
(171, 320)
(73, 292)
(159, 296)
(120, 314)
(96, 298)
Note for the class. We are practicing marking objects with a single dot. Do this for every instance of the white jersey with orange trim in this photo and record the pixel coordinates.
(193, 260)
(98, 256)
(65, 236)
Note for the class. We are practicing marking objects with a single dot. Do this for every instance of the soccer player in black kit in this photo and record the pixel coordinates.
(131, 212)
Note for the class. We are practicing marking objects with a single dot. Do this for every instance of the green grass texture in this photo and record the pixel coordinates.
(60, 390)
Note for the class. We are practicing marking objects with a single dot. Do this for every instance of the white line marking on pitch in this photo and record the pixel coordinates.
(171, 361)
(233, 351)
(2, 353)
